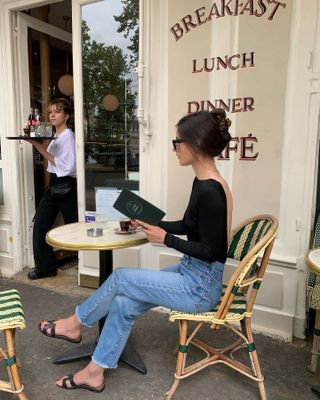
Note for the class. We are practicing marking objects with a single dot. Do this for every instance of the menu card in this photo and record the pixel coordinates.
(135, 207)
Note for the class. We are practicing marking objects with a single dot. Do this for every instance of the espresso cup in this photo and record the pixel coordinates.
(125, 225)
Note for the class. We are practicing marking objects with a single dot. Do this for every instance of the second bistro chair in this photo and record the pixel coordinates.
(313, 300)
(251, 244)
(11, 318)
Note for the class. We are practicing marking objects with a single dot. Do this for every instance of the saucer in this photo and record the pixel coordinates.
(120, 232)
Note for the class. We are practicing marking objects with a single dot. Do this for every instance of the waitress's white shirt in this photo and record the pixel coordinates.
(63, 149)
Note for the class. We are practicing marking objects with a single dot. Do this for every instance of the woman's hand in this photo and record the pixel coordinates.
(42, 149)
(134, 224)
(38, 145)
(154, 234)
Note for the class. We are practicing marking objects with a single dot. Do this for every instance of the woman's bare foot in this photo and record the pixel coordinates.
(92, 376)
(67, 327)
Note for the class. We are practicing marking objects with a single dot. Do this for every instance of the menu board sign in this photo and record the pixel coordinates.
(234, 55)
(218, 63)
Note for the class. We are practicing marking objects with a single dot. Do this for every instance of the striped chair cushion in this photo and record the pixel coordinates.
(11, 312)
(237, 312)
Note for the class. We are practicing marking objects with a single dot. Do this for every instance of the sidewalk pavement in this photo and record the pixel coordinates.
(284, 365)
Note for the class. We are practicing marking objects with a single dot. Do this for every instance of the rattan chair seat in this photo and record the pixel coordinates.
(236, 312)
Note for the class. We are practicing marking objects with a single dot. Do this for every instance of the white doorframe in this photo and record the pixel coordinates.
(11, 213)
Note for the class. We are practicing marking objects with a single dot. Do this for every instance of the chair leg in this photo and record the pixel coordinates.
(180, 359)
(255, 359)
(316, 343)
(14, 343)
(13, 367)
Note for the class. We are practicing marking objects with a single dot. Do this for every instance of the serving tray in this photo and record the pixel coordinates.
(36, 139)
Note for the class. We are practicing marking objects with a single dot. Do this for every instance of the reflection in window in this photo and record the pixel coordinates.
(1, 188)
(109, 96)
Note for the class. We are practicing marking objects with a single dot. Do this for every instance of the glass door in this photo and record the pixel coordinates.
(111, 129)
(109, 47)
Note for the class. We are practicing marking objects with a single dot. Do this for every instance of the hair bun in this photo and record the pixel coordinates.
(223, 123)
(229, 122)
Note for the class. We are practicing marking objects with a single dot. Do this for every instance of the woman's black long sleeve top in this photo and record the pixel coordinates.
(204, 223)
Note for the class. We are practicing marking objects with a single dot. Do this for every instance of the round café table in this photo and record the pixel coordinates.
(313, 260)
(74, 237)
(313, 263)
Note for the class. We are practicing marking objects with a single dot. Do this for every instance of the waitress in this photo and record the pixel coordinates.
(61, 194)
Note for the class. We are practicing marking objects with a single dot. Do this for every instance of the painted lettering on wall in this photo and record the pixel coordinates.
(243, 145)
(234, 62)
(236, 105)
(256, 8)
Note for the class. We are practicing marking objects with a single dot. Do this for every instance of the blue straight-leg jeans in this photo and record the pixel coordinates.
(190, 286)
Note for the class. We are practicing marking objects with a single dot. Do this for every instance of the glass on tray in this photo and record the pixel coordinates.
(44, 129)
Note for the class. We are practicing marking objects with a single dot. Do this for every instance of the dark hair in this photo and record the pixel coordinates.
(205, 132)
(61, 104)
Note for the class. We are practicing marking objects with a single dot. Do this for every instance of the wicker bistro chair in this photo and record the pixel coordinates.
(11, 318)
(313, 300)
(250, 240)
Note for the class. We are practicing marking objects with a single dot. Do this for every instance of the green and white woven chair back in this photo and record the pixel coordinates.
(11, 312)
(316, 238)
(245, 239)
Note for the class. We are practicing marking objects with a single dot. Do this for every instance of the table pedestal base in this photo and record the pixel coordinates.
(81, 353)
(129, 356)
(316, 390)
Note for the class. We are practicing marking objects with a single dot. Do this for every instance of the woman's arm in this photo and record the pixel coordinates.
(212, 229)
(42, 149)
(65, 158)
(175, 227)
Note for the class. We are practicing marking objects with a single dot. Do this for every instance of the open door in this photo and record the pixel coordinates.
(32, 92)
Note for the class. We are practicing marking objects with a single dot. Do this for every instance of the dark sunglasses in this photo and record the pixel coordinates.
(175, 142)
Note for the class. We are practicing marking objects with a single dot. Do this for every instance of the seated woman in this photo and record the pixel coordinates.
(193, 285)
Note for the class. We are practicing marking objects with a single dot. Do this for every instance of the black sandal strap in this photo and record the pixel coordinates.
(72, 383)
(65, 380)
(50, 325)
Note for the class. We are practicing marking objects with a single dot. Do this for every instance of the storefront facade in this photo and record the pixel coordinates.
(260, 60)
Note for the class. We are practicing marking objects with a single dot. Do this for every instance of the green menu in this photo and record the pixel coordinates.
(135, 207)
